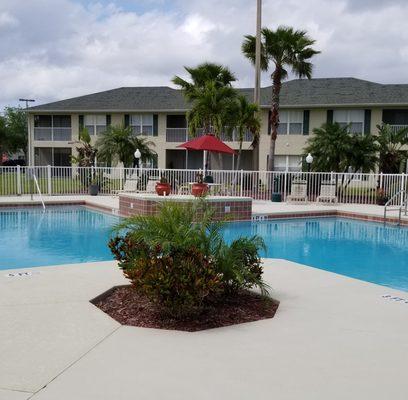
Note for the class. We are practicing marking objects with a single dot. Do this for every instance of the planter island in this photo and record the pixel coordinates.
(225, 207)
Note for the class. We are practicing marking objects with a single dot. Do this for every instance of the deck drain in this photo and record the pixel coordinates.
(395, 298)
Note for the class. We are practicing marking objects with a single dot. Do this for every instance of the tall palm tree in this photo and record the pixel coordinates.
(392, 148)
(211, 94)
(120, 143)
(246, 119)
(283, 48)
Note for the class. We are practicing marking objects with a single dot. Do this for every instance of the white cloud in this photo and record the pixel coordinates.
(53, 49)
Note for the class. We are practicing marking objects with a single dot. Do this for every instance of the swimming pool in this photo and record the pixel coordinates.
(60, 235)
(64, 235)
(364, 250)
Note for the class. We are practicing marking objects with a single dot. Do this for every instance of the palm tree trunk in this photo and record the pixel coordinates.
(274, 119)
(239, 155)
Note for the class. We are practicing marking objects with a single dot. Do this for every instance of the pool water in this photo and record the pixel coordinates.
(60, 235)
(369, 251)
(65, 235)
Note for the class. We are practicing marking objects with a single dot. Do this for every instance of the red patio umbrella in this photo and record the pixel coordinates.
(208, 143)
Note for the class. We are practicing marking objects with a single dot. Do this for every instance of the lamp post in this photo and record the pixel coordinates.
(137, 155)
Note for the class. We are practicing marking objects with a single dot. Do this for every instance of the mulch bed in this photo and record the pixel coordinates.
(129, 308)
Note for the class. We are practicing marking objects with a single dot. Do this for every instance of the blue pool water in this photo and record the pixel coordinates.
(364, 250)
(60, 235)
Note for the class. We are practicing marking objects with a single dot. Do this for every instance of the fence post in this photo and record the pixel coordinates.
(241, 183)
(18, 180)
(381, 180)
(402, 189)
(49, 182)
(285, 182)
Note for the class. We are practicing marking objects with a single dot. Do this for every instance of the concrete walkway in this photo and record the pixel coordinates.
(332, 338)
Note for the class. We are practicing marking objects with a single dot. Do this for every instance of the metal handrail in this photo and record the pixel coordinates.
(402, 193)
(38, 190)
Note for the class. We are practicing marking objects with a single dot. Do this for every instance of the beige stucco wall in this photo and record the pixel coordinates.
(289, 145)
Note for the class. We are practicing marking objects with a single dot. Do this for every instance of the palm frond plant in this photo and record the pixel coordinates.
(281, 49)
(119, 143)
(179, 259)
(392, 151)
(85, 151)
(210, 92)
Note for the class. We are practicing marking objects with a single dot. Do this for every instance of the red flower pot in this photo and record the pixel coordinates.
(199, 189)
(163, 189)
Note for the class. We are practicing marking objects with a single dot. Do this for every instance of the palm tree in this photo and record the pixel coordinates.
(120, 143)
(211, 94)
(283, 48)
(246, 119)
(392, 148)
(330, 147)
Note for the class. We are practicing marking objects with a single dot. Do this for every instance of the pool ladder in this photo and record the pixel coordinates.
(401, 208)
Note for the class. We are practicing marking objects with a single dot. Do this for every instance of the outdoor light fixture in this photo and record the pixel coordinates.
(137, 154)
(309, 160)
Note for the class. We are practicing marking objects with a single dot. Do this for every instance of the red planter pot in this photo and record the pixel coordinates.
(199, 189)
(163, 189)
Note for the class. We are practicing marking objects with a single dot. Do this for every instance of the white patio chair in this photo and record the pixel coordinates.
(298, 192)
(327, 193)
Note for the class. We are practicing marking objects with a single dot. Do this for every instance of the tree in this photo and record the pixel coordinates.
(86, 153)
(246, 119)
(3, 138)
(17, 133)
(120, 143)
(211, 94)
(283, 48)
(329, 146)
(393, 151)
(335, 148)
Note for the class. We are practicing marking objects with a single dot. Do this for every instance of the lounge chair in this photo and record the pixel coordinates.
(129, 186)
(184, 189)
(298, 192)
(327, 193)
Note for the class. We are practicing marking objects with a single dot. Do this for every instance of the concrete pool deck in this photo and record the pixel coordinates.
(333, 337)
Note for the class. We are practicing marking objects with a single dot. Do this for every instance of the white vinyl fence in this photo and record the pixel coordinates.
(260, 185)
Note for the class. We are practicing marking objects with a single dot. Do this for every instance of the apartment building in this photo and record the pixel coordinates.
(159, 113)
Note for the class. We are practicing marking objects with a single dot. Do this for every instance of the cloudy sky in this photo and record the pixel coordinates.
(54, 49)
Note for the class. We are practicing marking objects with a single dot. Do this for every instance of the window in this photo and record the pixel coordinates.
(142, 124)
(52, 127)
(288, 163)
(353, 118)
(291, 122)
(95, 124)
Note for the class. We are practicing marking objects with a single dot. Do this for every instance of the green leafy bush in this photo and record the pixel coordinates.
(178, 258)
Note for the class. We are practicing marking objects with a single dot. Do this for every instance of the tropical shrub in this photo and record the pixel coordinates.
(179, 259)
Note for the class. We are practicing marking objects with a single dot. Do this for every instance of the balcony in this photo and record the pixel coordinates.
(396, 128)
(52, 134)
(180, 135)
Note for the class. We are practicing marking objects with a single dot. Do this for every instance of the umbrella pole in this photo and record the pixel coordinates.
(204, 161)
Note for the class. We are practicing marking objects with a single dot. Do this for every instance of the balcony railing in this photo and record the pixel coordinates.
(396, 128)
(181, 135)
(52, 134)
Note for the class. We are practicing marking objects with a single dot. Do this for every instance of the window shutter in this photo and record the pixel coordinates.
(155, 125)
(269, 123)
(329, 116)
(127, 120)
(367, 122)
(108, 120)
(306, 119)
(81, 122)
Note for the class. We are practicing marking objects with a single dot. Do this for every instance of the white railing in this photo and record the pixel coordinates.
(260, 185)
(396, 128)
(52, 134)
(181, 135)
